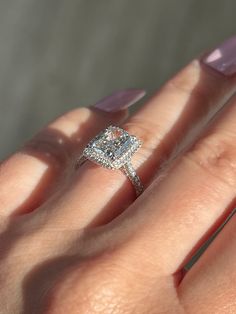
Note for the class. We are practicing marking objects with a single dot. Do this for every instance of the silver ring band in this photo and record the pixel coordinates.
(113, 148)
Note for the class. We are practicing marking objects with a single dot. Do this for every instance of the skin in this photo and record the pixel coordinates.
(78, 241)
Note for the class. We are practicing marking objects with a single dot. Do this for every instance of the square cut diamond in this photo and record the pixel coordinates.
(112, 148)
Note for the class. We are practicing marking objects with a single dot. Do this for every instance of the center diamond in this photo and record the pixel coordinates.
(112, 148)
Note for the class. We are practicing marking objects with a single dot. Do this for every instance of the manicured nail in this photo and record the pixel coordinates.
(223, 58)
(120, 100)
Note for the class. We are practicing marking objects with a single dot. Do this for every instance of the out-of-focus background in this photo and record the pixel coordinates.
(59, 54)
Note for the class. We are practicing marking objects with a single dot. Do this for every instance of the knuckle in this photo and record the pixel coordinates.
(75, 115)
(148, 132)
(69, 122)
(188, 89)
(50, 145)
(216, 154)
(187, 79)
(54, 142)
(189, 84)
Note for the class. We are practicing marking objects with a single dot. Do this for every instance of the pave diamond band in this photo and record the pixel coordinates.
(134, 178)
(113, 148)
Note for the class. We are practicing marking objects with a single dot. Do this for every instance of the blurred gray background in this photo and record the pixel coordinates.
(59, 54)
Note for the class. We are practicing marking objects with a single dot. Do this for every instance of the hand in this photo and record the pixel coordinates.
(78, 241)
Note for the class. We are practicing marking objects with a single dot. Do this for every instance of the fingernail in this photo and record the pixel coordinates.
(223, 58)
(120, 100)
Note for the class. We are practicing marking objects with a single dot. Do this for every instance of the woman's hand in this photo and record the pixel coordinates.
(78, 241)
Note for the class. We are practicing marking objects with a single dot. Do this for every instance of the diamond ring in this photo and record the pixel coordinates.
(113, 148)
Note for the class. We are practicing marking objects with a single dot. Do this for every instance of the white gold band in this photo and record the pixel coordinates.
(128, 169)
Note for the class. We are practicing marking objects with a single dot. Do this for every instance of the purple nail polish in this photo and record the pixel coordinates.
(223, 58)
(120, 100)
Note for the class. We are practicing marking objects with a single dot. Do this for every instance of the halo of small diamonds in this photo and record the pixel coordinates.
(112, 148)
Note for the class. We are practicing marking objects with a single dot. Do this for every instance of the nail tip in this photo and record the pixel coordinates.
(223, 58)
(120, 100)
(129, 92)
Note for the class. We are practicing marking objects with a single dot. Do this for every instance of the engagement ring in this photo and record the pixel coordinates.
(113, 148)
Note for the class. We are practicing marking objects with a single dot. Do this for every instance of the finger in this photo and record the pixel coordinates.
(178, 212)
(27, 177)
(184, 101)
(209, 286)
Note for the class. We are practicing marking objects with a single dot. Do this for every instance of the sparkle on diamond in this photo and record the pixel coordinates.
(112, 148)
